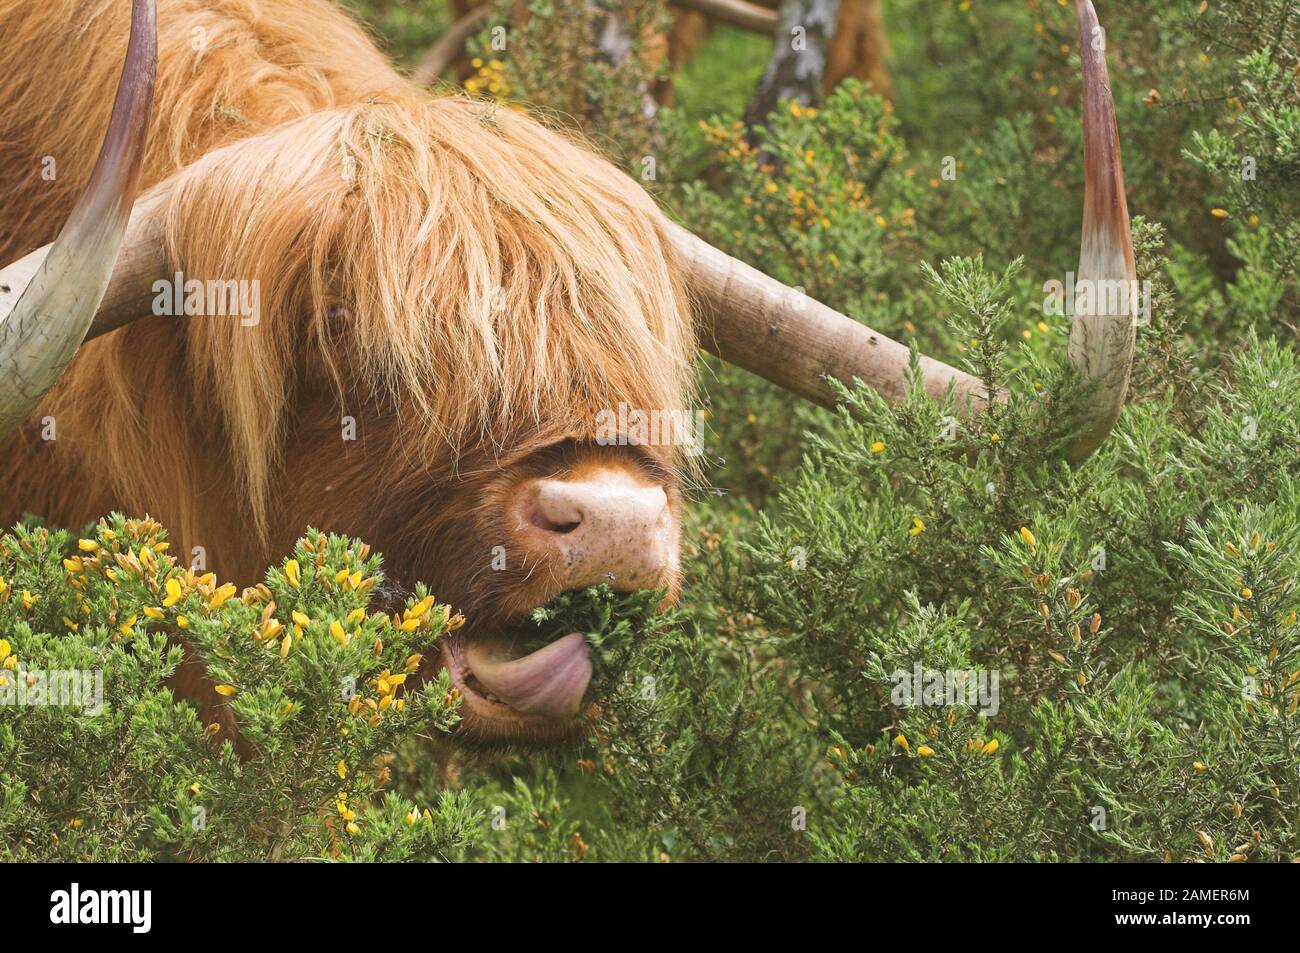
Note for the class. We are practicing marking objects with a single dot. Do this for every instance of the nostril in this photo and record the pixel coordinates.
(539, 519)
(556, 508)
(602, 511)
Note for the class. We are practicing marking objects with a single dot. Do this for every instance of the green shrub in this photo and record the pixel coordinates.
(1141, 629)
(112, 767)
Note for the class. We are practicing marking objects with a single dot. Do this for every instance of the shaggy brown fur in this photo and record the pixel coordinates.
(464, 283)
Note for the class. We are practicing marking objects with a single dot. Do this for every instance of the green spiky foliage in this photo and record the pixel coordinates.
(101, 762)
(1138, 610)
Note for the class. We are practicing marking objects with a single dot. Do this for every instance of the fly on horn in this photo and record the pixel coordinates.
(49, 298)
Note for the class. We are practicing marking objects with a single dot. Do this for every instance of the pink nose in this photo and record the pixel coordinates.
(607, 527)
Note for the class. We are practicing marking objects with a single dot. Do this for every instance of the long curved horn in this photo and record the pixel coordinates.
(1104, 327)
(49, 299)
(795, 342)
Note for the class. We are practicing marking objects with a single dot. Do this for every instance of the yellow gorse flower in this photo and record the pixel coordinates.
(420, 608)
(220, 597)
(174, 592)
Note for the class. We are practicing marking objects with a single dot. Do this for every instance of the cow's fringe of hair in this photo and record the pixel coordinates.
(479, 274)
(453, 262)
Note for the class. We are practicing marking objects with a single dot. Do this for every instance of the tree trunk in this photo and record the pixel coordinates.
(799, 58)
(615, 41)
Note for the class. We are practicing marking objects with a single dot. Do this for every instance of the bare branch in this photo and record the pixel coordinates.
(450, 46)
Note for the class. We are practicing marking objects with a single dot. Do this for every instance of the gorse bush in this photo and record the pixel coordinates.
(102, 763)
(1142, 634)
(1140, 629)
(904, 634)
(599, 74)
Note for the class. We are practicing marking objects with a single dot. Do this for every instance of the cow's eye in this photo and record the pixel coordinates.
(653, 466)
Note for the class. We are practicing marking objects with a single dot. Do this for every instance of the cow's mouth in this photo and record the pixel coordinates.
(523, 678)
(515, 690)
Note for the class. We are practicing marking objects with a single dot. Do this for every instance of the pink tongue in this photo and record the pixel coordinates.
(550, 681)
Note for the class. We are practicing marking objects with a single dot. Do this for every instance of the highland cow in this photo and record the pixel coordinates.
(452, 299)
